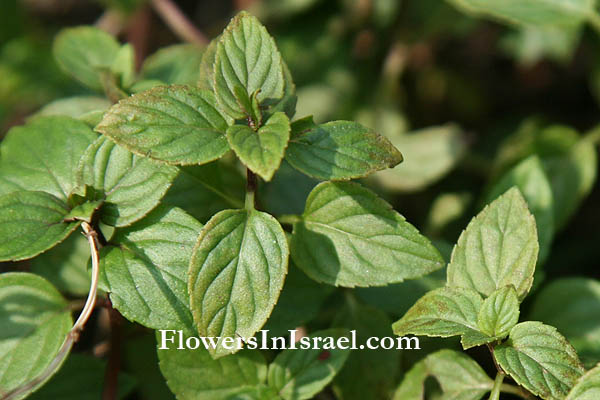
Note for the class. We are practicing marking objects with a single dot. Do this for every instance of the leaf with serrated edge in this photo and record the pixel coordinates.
(145, 269)
(131, 186)
(300, 373)
(176, 124)
(572, 305)
(43, 155)
(31, 223)
(499, 312)
(540, 359)
(35, 321)
(587, 387)
(236, 273)
(84, 52)
(530, 178)
(194, 375)
(262, 150)
(445, 312)
(459, 376)
(341, 150)
(246, 56)
(498, 248)
(350, 237)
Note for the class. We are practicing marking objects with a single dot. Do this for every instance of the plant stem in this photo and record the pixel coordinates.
(289, 219)
(75, 331)
(495, 395)
(517, 391)
(251, 184)
(178, 22)
(111, 376)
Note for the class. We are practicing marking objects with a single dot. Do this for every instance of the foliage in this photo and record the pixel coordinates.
(255, 182)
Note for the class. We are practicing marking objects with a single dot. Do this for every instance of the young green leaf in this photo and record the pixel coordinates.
(43, 155)
(204, 190)
(78, 107)
(145, 269)
(124, 66)
(531, 12)
(341, 150)
(262, 150)
(175, 124)
(299, 373)
(431, 153)
(65, 266)
(540, 359)
(350, 237)
(177, 64)
(445, 312)
(194, 375)
(498, 248)
(206, 76)
(236, 273)
(31, 223)
(368, 373)
(35, 321)
(459, 376)
(84, 52)
(587, 387)
(572, 305)
(246, 57)
(531, 180)
(499, 312)
(131, 186)
(78, 380)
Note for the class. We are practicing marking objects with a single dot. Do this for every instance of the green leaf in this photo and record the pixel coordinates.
(262, 150)
(35, 321)
(540, 359)
(368, 373)
(445, 312)
(341, 150)
(124, 66)
(499, 312)
(43, 155)
(246, 56)
(204, 190)
(177, 64)
(300, 373)
(78, 379)
(84, 52)
(431, 153)
(31, 223)
(145, 269)
(350, 237)
(131, 186)
(459, 376)
(206, 77)
(587, 387)
(531, 180)
(531, 12)
(84, 212)
(194, 375)
(65, 266)
(236, 273)
(175, 124)
(287, 103)
(572, 306)
(75, 107)
(572, 176)
(498, 248)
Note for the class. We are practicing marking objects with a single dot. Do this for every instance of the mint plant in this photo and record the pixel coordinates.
(179, 214)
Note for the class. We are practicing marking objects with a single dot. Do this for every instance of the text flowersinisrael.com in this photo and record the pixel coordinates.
(175, 339)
